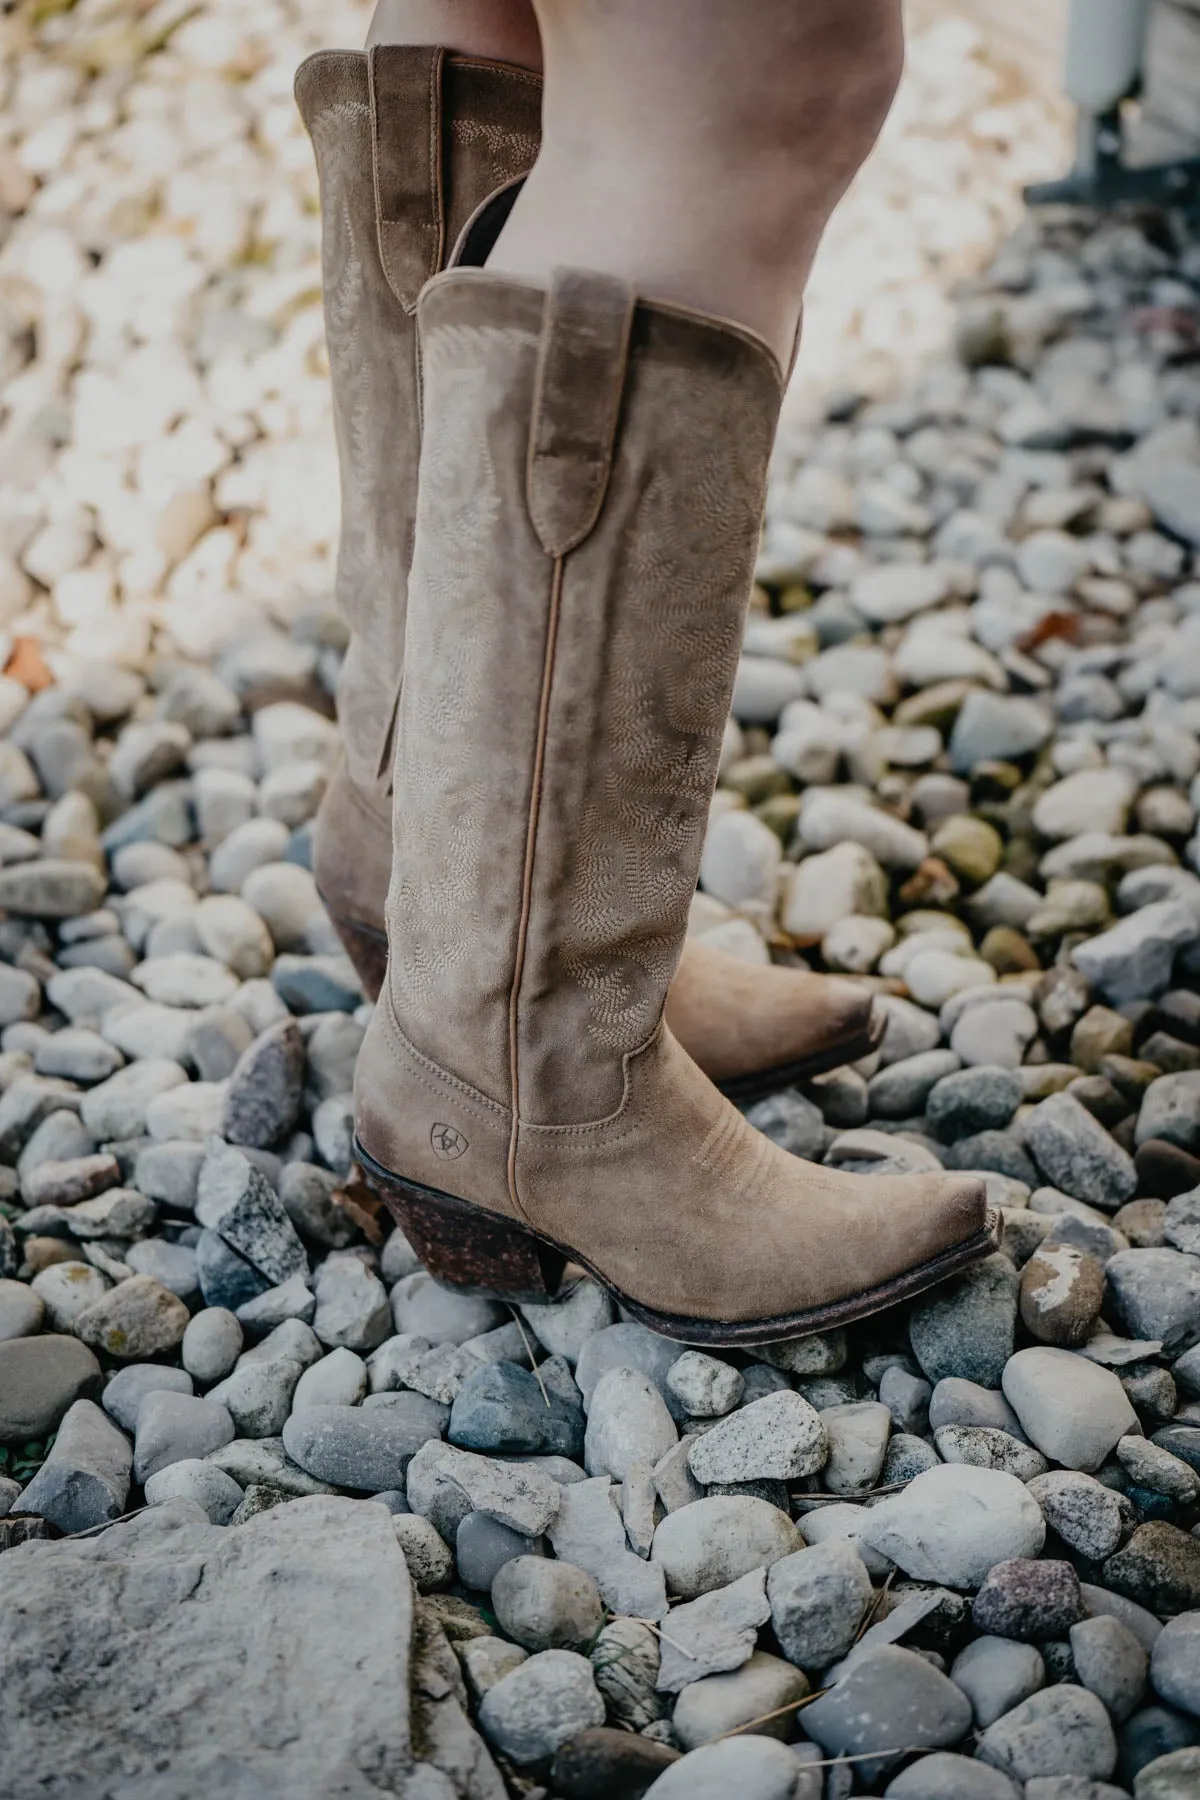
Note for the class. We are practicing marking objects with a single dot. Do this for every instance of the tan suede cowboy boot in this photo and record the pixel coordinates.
(409, 143)
(591, 487)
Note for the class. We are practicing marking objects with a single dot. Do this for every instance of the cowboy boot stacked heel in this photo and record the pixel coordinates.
(591, 489)
(411, 144)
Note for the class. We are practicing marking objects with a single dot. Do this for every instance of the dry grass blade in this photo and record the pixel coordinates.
(537, 1373)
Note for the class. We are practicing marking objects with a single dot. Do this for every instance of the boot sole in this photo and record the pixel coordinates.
(468, 1248)
(367, 949)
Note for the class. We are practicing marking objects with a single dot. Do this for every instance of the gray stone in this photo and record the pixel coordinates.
(502, 1408)
(68, 1289)
(857, 1433)
(117, 1107)
(339, 1379)
(1072, 1409)
(445, 1484)
(170, 1173)
(900, 1090)
(996, 1674)
(51, 888)
(254, 1462)
(628, 1424)
(292, 1299)
(717, 1540)
(564, 1326)
(547, 1605)
(624, 1346)
(953, 1523)
(966, 1327)
(356, 1447)
(540, 1705)
(323, 1576)
(746, 1765)
(792, 1122)
(216, 1493)
(1076, 1154)
(713, 1633)
(307, 1192)
(1134, 959)
(779, 1437)
(1062, 1731)
(997, 726)
(21, 1310)
(586, 1529)
(1085, 1514)
(1175, 1663)
(136, 1319)
(353, 1311)
(1181, 1223)
(982, 1098)
(237, 1201)
(719, 1704)
(40, 1379)
(1171, 1777)
(888, 1698)
(262, 1104)
(212, 1343)
(818, 1599)
(1170, 1109)
(1157, 1293)
(983, 1447)
(482, 1547)
(705, 1387)
(625, 1661)
(173, 1265)
(124, 1394)
(958, 1402)
(259, 1393)
(174, 1427)
(422, 1308)
(1102, 1603)
(1111, 1663)
(84, 1480)
(944, 1776)
(1032, 1600)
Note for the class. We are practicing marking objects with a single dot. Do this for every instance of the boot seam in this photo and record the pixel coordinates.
(531, 830)
(429, 1073)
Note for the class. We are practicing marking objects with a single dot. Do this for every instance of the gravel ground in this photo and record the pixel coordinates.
(952, 1554)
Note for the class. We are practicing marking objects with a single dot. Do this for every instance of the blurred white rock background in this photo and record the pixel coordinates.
(167, 468)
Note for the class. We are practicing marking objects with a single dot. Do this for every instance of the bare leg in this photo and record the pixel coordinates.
(501, 30)
(696, 148)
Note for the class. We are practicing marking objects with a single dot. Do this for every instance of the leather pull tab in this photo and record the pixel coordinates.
(405, 87)
(582, 360)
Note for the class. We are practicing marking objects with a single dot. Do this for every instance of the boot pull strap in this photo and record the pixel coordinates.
(582, 359)
(405, 87)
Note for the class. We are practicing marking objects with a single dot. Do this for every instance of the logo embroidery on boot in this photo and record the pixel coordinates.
(447, 1141)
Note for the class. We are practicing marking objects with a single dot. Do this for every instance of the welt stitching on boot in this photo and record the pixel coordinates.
(590, 494)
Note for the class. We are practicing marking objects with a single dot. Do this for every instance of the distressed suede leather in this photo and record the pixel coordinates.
(410, 143)
(591, 488)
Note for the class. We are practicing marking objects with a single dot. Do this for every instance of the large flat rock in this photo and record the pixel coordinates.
(169, 1657)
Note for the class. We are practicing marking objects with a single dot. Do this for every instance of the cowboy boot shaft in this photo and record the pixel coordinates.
(408, 142)
(592, 482)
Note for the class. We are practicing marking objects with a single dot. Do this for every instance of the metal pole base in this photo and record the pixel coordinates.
(1108, 182)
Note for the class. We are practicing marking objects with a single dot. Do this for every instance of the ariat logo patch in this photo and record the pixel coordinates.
(447, 1142)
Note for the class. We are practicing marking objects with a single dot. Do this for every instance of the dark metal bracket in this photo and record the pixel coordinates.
(1103, 180)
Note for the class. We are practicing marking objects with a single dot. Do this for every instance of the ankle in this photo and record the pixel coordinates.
(496, 30)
